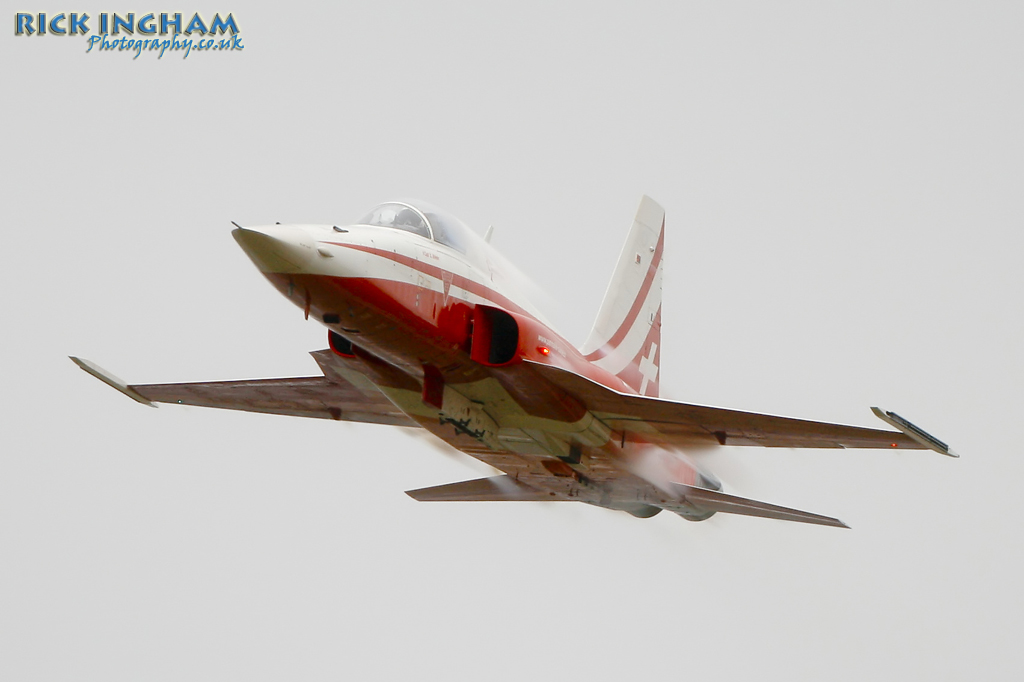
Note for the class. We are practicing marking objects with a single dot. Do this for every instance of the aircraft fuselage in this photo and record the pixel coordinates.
(445, 335)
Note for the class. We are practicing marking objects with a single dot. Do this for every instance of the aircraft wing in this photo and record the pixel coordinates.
(325, 397)
(683, 424)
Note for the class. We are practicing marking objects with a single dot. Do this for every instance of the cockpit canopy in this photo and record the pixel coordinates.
(422, 219)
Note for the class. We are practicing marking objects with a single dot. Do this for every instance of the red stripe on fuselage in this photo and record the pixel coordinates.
(627, 324)
(458, 280)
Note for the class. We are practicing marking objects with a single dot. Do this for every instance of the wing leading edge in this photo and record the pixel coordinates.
(324, 397)
(676, 423)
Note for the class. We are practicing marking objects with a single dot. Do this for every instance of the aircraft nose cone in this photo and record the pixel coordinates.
(275, 248)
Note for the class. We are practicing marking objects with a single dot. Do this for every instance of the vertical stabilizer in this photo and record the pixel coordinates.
(626, 338)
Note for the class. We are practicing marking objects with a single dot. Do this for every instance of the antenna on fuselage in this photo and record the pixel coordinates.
(490, 231)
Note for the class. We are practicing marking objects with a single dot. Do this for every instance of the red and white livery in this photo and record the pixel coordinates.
(428, 328)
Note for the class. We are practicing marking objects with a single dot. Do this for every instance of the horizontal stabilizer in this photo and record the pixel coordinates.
(714, 501)
(494, 489)
(913, 431)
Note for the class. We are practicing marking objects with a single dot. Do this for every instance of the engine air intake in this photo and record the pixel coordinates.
(495, 336)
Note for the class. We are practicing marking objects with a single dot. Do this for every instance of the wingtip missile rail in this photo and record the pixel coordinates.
(110, 380)
(913, 431)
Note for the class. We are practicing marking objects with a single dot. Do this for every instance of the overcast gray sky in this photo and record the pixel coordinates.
(843, 189)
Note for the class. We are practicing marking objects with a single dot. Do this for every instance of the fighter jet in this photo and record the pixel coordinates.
(428, 328)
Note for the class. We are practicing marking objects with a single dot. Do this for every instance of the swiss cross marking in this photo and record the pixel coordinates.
(648, 369)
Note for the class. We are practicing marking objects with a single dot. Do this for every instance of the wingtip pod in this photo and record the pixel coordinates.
(914, 432)
(110, 380)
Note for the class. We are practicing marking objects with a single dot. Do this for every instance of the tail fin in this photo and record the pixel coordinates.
(626, 338)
